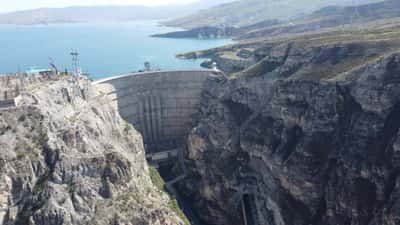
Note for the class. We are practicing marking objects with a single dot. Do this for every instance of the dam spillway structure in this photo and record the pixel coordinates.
(159, 104)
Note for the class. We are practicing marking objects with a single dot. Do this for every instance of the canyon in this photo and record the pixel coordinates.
(307, 135)
(294, 127)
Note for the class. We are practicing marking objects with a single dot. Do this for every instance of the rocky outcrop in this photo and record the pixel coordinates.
(67, 160)
(320, 150)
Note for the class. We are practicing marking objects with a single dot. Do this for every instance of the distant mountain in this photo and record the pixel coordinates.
(325, 18)
(76, 14)
(362, 13)
(246, 12)
(329, 17)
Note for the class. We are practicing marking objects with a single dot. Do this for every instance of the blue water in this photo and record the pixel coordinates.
(105, 48)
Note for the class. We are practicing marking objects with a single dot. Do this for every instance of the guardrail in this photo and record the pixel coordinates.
(105, 80)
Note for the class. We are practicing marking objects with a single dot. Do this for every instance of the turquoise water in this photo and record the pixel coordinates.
(105, 49)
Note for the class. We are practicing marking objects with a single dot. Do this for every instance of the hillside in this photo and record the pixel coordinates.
(250, 53)
(328, 17)
(76, 14)
(248, 12)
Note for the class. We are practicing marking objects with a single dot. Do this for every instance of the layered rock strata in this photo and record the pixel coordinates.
(301, 138)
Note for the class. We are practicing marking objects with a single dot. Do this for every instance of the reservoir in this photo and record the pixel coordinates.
(105, 49)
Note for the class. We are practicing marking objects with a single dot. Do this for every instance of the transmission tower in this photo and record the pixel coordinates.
(75, 62)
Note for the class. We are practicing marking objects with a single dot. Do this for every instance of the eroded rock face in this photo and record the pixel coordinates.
(304, 151)
(64, 160)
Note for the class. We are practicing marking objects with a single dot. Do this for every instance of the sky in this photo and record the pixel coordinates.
(15, 5)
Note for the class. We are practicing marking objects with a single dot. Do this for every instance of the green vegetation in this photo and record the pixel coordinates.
(157, 179)
(159, 182)
(173, 205)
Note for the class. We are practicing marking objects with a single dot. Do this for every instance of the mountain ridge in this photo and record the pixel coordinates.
(238, 13)
(108, 13)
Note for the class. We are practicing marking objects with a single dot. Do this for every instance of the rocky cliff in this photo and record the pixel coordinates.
(65, 160)
(309, 135)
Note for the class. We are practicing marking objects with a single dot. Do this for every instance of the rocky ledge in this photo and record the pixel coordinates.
(68, 160)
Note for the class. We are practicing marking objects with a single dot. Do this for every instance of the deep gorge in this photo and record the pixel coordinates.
(276, 149)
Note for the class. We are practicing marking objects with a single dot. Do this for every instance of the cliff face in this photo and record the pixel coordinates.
(65, 160)
(296, 150)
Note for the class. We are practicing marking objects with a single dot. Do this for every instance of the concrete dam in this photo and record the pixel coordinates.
(158, 104)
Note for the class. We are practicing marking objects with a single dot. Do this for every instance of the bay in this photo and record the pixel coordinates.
(106, 49)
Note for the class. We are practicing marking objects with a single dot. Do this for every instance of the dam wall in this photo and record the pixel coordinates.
(158, 104)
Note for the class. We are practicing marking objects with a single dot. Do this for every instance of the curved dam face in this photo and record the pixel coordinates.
(158, 104)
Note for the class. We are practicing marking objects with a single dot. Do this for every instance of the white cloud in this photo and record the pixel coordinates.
(13, 5)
